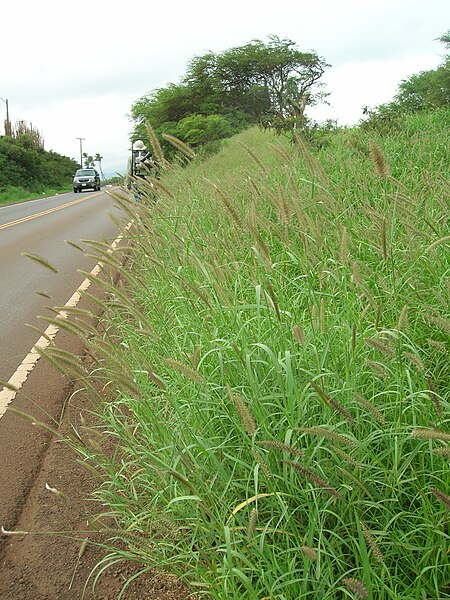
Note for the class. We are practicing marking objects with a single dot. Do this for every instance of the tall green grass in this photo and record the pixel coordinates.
(277, 361)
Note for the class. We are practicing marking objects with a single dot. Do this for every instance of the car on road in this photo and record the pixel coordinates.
(86, 179)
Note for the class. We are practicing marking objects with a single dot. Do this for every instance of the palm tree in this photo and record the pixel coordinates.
(98, 159)
(88, 160)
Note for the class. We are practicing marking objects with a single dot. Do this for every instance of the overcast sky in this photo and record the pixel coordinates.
(75, 70)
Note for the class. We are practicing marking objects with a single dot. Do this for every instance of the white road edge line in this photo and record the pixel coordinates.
(29, 362)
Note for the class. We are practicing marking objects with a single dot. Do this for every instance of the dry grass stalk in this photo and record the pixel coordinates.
(155, 145)
(353, 338)
(441, 322)
(372, 543)
(200, 294)
(309, 552)
(414, 360)
(434, 397)
(274, 445)
(313, 167)
(430, 434)
(356, 481)
(403, 319)
(380, 345)
(370, 408)
(331, 402)
(184, 369)
(195, 357)
(251, 215)
(379, 162)
(314, 478)
(283, 204)
(328, 434)
(440, 346)
(274, 300)
(262, 247)
(378, 369)
(314, 315)
(179, 145)
(41, 261)
(261, 462)
(346, 457)
(356, 587)
(364, 312)
(445, 452)
(377, 316)
(243, 411)
(322, 316)
(299, 334)
(444, 498)
(355, 273)
(344, 246)
(255, 158)
(383, 239)
(443, 240)
(252, 521)
(230, 209)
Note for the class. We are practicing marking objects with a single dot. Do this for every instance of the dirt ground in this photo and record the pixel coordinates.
(52, 561)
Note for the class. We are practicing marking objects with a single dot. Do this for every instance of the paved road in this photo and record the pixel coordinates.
(41, 227)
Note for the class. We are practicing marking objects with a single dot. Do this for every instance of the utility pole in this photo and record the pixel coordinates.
(8, 128)
(81, 151)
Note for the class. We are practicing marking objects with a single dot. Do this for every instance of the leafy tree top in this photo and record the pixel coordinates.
(254, 83)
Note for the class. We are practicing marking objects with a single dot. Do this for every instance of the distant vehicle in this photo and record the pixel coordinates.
(85, 179)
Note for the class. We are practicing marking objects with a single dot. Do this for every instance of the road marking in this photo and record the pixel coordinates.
(48, 211)
(29, 362)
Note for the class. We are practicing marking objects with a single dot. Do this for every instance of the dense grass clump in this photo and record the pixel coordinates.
(279, 359)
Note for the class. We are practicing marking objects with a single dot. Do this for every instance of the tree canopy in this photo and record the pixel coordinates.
(426, 90)
(221, 94)
(24, 163)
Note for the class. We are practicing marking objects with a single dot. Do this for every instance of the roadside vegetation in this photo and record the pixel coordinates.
(276, 358)
(275, 364)
(27, 170)
(13, 194)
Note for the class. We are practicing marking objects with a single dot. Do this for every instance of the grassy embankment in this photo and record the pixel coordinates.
(13, 195)
(279, 356)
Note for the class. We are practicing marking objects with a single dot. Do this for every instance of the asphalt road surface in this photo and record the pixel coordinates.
(40, 227)
(43, 564)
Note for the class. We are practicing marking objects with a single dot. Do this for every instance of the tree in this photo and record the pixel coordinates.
(24, 163)
(22, 128)
(88, 160)
(426, 90)
(278, 70)
(224, 93)
(98, 159)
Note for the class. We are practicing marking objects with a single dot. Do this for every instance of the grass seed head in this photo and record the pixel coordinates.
(309, 552)
(314, 478)
(184, 369)
(356, 587)
(244, 412)
(372, 543)
(430, 434)
(252, 521)
(299, 334)
(444, 498)
(274, 445)
(379, 162)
